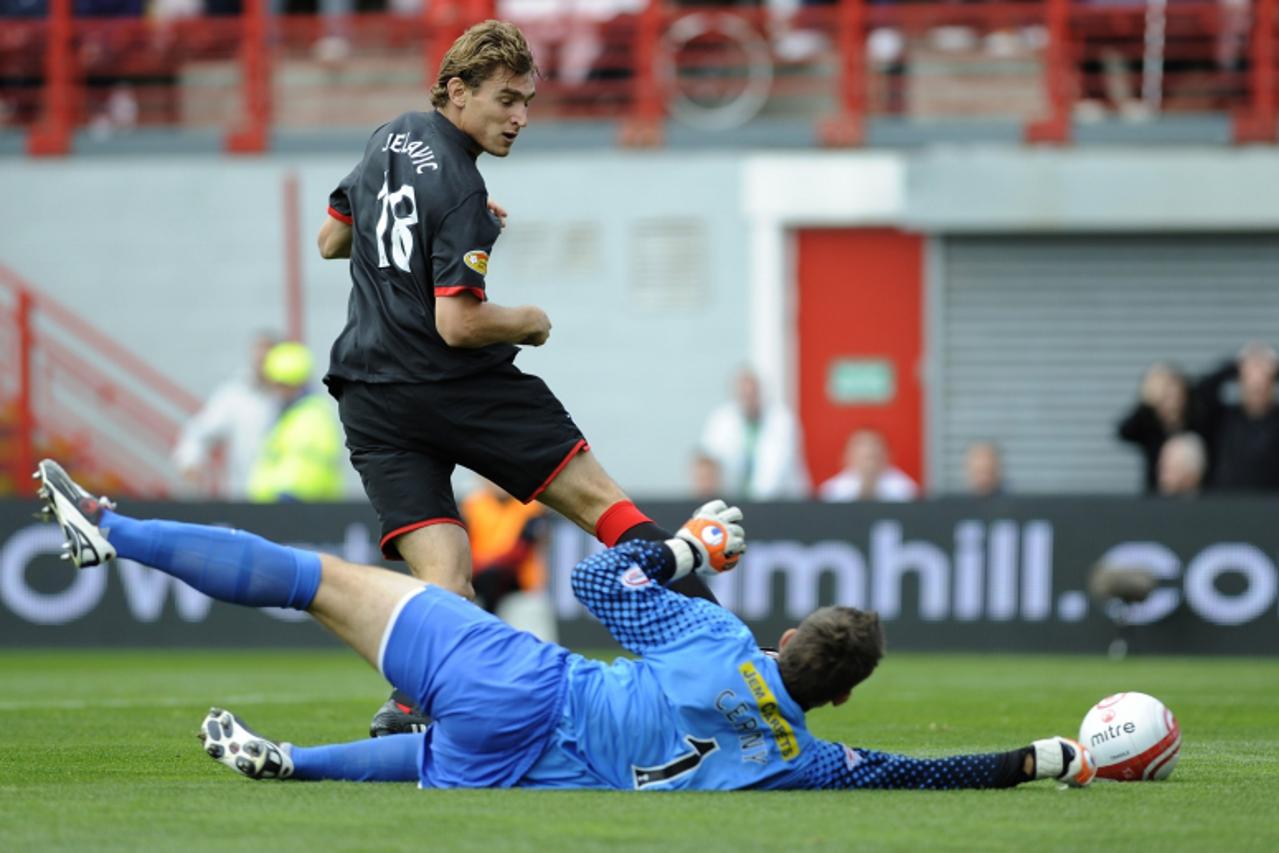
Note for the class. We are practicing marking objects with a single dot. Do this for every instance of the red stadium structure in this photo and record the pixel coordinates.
(77, 392)
(255, 74)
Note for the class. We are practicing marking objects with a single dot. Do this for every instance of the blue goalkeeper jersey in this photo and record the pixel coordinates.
(703, 707)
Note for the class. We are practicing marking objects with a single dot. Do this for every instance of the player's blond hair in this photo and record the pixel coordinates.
(833, 650)
(480, 52)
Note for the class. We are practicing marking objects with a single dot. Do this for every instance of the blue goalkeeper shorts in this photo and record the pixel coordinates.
(495, 693)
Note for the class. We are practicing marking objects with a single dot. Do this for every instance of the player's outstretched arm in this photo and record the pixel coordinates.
(464, 321)
(337, 232)
(840, 766)
(624, 587)
(334, 239)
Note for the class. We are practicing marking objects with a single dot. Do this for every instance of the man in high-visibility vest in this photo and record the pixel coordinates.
(301, 459)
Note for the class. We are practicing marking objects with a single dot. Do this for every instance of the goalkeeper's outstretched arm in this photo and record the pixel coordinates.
(840, 766)
(625, 586)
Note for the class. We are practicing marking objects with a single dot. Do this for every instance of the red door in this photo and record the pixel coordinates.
(861, 321)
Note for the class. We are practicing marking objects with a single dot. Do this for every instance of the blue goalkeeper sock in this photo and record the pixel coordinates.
(392, 758)
(229, 565)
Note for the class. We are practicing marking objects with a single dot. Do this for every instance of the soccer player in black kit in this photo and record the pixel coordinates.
(423, 371)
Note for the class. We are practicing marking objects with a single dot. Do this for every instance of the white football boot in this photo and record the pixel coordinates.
(77, 513)
(229, 741)
(1065, 760)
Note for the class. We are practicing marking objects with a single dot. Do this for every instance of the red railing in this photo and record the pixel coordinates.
(1042, 63)
(77, 394)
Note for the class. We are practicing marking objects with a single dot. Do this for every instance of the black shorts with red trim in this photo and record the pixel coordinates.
(406, 439)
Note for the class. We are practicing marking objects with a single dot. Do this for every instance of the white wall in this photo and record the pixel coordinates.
(662, 271)
(182, 260)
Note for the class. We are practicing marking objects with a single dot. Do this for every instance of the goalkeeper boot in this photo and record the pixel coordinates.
(1064, 759)
(77, 512)
(229, 741)
(400, 715)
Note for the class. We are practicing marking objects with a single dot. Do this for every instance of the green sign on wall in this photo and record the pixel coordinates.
(861, 381)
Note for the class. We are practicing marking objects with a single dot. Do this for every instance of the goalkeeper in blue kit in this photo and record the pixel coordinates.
(702, 708)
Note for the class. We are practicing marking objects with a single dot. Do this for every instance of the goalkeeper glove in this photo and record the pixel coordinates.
(710, 542)
(1064, 759)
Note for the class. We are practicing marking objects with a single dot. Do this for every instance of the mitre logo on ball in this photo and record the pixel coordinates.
(1133, 737)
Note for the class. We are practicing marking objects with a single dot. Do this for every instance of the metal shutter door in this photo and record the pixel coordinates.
(1041, 341)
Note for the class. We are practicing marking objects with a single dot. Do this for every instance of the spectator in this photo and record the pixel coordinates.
(984, 469)
(301, 459)
(173, 10)
(757, 446)
(867, 474)
(572, 37)
(1183, 460)
(1243, 436)
(234, 420)
(796, 38)
(1162, 411)
(704, 477)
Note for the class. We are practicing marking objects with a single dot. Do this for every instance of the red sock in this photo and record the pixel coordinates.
(618, 519)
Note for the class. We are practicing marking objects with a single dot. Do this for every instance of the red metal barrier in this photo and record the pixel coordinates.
(25, 457)
(80, 394)
(1056, 126)
(643, 128)
(253, 133)
(1257, 122)
(1045, 63)
(847, 126)
(292, 249)
(52, 136)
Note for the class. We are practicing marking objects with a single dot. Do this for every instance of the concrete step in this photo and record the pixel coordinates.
(306, 93)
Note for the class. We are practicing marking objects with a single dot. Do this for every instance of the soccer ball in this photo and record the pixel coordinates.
(1133, 737)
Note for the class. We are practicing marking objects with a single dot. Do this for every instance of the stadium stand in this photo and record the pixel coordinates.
(845, 73)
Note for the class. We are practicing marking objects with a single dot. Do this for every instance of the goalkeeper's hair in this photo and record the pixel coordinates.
(478, 53)
(833, 650)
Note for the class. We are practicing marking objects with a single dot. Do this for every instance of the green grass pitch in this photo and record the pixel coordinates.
(98, 751)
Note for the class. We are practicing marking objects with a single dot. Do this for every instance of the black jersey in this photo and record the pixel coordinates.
(422, 230)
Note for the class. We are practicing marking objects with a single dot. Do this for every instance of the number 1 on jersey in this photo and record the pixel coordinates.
(681, 765)
(401, 206)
